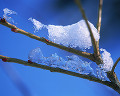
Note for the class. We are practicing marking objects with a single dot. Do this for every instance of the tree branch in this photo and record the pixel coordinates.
(96, 50)
(114, 66)
(59, 70)
(99, 18)
(113, 78)
(52, 69)
(99, 15)
(112, 75)
(42, 39)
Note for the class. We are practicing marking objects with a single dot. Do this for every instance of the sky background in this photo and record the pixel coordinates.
(20, 80)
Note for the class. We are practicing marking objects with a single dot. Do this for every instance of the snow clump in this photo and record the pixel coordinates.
(74, 35)
(6, 14)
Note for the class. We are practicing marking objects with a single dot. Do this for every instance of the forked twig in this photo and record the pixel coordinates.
(114, 66)
(96, 50)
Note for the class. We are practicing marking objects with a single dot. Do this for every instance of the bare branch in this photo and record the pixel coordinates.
(114, 66)
(42, 39)
(99, 18)
(114, 79)
(112, 75)
(59, 70)
(52, 69)
(96, 49)
(99, 15)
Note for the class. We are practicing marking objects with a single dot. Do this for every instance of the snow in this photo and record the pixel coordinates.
(101, 74)
(37, 25)
(6, 14)
(36, 55)
(107, 61)
(74, 63)
(74, 35)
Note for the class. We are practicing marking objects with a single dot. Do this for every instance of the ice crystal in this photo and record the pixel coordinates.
(107, 61)
(54, 60)
(75, 35)
(37, 25)
(101, 74)
(74, 63)
(6, 14)
(36, 55)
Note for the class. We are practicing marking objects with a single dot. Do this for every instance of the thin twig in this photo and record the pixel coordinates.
(99, 18)
(96, 50)
(59, 70)
(99, 15)
(77, 52)
(114, 66)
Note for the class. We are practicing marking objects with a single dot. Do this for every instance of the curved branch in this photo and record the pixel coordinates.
(59, 70)
(42, 39)
(114, 66)
(112, 75)
(52, 69)
(96, 50)
(113, 78)
(99, 18)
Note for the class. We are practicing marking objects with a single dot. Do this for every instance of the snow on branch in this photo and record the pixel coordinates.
(48, 42)
(74, 63)
(71, 36)
(74, 35)
(53, 69)
(8, 12)
(59, 70)
(107, 61)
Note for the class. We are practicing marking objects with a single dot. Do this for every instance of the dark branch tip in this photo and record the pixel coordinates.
(3, 20)
(4, 59)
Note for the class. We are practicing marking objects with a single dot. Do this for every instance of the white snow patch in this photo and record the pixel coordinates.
(37, 25)
(74, 63)
(107, 60)
(6, 14)
(75, 35)
(36, 55)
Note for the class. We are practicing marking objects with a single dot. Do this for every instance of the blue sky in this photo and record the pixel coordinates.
(39, 82)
